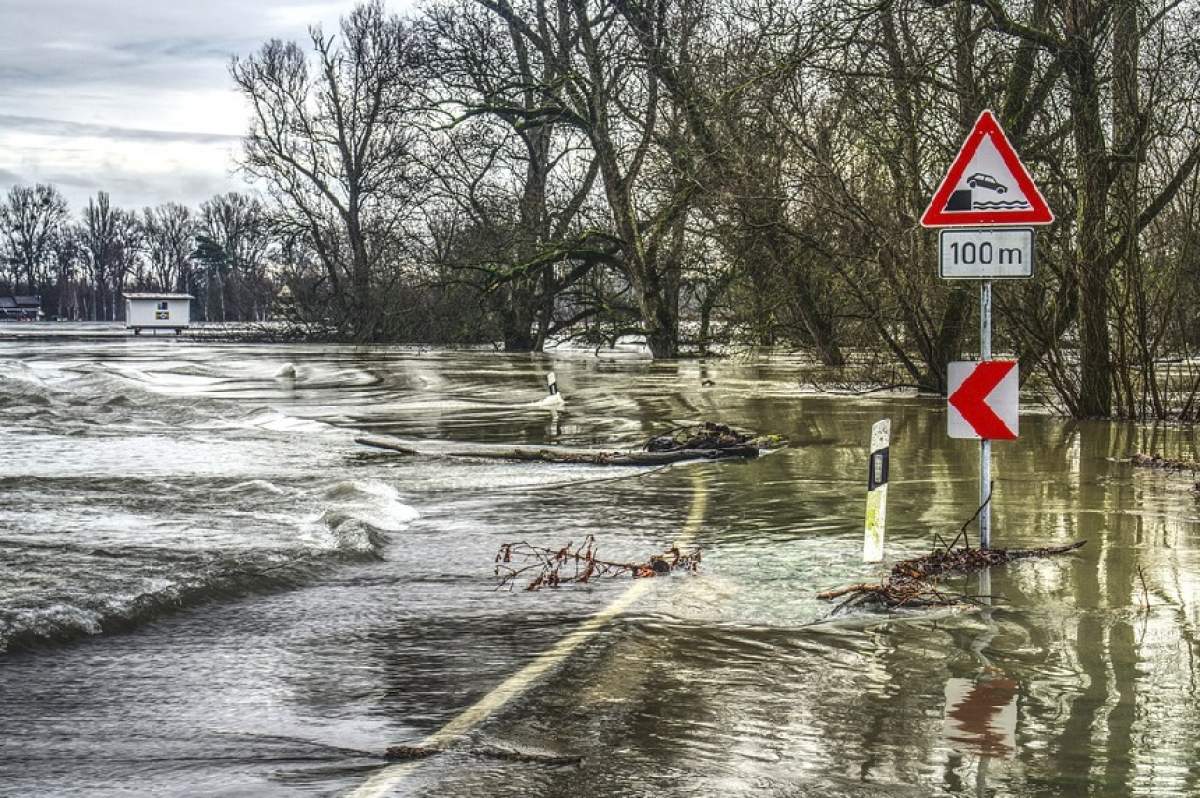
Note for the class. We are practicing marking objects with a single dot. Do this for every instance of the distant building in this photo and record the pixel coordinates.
(158, 312)
(20, 308)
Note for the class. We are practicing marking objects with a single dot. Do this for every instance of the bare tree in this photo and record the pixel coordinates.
(332, 140)
(30, 218)
(232, 243)
(170, 241)
(110, 241)
(521, 177)
(1082, 37)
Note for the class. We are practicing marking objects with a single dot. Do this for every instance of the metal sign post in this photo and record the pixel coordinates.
(985, 444)
(987, 200)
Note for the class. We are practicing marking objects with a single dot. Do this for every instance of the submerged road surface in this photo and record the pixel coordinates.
(206, 587)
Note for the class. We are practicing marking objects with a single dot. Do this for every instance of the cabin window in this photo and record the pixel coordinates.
(162, 306)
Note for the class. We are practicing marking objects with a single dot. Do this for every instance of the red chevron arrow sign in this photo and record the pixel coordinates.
(983, 400)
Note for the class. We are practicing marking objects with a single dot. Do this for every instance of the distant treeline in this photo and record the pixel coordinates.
(703, 172)
(80, 266)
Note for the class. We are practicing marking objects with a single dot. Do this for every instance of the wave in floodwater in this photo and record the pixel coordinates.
(159, 484)
(140, 492)
(102, 397)
(60, 591)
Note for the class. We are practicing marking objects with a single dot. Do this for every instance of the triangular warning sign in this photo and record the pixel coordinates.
(987, 184)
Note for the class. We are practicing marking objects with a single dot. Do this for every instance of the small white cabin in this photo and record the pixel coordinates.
(157, 312)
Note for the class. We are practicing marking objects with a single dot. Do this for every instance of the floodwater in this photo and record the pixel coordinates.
(207, 587)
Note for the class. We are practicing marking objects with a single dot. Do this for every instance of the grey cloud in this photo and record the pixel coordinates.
(187, 48)
(59, 127)
(139, 75)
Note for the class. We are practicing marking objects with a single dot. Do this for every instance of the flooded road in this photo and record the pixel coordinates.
(206, 587)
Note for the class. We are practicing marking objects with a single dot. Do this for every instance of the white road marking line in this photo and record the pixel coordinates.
(383, 781)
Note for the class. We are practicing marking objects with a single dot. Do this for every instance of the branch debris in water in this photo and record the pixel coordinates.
(579, 564)
(915, 582)
(710, 435)
(408, 753)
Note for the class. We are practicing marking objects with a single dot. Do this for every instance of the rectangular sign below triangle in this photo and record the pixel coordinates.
(983, 400)
(987, 184)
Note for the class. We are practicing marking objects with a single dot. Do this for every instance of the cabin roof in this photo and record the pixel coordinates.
(158, 296)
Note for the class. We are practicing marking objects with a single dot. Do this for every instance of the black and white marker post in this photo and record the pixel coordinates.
(985, 204)
(877, 482)
(552, 384)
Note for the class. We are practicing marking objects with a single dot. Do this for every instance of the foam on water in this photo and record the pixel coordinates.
(371, 502)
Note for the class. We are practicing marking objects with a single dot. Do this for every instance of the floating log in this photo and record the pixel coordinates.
(555, 454)
(408, 753)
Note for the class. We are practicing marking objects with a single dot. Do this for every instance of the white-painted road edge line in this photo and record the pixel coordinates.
(383, 781)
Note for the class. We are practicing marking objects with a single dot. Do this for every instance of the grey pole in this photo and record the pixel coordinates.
(985, 446)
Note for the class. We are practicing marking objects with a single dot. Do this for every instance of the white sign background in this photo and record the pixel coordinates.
(1009, 253)
(1004, 400)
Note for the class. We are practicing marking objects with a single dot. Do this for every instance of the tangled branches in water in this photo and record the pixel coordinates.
(914, 582)
(579, 564)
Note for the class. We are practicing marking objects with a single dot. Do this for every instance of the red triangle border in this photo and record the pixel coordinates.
(986, 126)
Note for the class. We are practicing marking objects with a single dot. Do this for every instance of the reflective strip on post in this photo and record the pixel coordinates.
(877, 481)
(552, 384)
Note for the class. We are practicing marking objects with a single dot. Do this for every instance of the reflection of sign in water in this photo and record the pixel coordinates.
(162, 315)
(982, 715)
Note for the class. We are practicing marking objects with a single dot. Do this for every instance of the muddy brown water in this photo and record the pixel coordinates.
(206, 587)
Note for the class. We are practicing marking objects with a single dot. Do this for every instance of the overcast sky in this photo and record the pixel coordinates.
(133, 96)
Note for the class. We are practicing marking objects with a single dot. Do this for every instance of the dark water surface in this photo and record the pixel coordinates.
(206, 587)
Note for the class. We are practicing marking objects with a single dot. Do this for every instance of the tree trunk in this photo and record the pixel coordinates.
(1092, 263)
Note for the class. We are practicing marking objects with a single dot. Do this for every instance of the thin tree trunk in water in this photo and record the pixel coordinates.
(517, 322)
(1092, 264)
(662, 334)
(1126, 105)
(817, 323)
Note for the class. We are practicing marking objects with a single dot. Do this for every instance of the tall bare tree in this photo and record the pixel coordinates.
(110, 241)
(170, 241)
(332, 139)
(233, 237)
(30, 217)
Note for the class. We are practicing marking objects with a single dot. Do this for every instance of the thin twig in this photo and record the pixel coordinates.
(1145, 592)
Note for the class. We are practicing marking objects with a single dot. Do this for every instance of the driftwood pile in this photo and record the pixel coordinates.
(916, 582)
(579, 564)
(710, 436)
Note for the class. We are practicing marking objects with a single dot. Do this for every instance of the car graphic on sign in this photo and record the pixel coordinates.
(986, 181)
